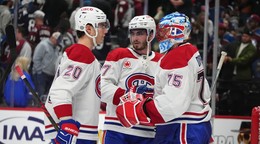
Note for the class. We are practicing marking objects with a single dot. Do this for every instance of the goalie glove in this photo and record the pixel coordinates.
(131, 112)
(69, 130)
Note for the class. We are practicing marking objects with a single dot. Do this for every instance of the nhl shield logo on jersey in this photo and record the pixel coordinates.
(138, 79)
(127, 64)
(97, 87)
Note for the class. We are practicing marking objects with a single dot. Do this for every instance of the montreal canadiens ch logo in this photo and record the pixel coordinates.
(97, 87)
(138, 79)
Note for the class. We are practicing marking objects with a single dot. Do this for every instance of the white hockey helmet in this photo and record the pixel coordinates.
(172, 28)
(143, 22)
(90, 15)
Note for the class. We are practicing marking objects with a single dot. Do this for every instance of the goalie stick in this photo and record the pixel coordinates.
(11, 40)
(20, 72)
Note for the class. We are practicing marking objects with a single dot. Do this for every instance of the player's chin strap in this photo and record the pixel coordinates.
(148, 48)
(93, 37)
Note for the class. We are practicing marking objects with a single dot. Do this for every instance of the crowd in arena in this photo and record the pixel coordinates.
(45, 28)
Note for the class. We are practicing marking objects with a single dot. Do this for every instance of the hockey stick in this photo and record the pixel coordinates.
(220, 63)
(20, 72)
(11, 40)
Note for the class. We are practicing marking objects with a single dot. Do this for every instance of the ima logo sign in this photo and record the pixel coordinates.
(139, 79)
(21, 129)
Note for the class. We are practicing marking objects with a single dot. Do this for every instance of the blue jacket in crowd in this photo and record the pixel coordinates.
(16, 93)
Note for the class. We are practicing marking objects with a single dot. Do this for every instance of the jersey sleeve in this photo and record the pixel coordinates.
(74, 72)
(110, 74)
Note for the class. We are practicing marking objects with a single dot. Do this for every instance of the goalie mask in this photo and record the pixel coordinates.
(93, 16)
(172, 28)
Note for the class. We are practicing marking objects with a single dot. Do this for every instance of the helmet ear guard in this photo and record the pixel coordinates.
(172, 28)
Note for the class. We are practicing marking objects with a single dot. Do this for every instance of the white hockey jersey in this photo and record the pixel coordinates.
(122, 69)
(74, 92)
(182, 92)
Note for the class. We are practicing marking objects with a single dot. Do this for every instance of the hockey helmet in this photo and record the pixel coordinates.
(93, 16)
(172, 28)
(89, 15)
(143, 22)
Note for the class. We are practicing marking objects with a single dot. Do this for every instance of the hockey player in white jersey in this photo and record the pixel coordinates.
(124, 68)
(180, 108)
(74, 100)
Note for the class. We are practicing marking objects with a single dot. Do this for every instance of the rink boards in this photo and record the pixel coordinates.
(26, 126)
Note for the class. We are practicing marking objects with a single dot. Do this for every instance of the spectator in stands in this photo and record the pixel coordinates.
(245, 9)
(16, 93)
(159, 14)
(240, 56)
(124, 12)
(26, 13)
(44, 61)
(72, 20)
(139, 7)
(237, 67)
(53, 9)
(5, 15)
(181, 6)
(23, 46)
(40, 31)
(68, 35)
(253, 24)
(225, 38)
(197, 33)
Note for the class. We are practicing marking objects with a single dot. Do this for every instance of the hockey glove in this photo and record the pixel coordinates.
(131, 96)
(132, 93)
(132, 113)
(69, 130)
(145, 90)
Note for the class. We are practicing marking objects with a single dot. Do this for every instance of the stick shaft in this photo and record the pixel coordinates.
(27, 83)
(11, 41)
(220, 63)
